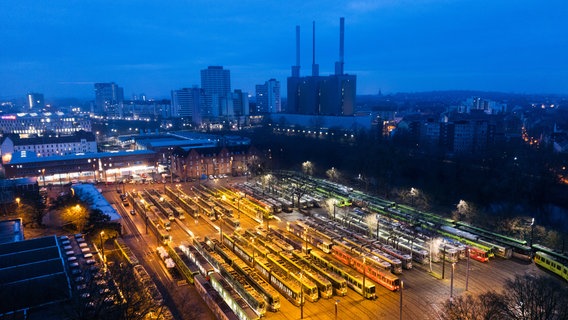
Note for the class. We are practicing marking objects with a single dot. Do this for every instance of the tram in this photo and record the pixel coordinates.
(354, 280)
(551, 263)
(232, 298)
(271, 297)
(213, 300)
(238, 282)
(339, 284)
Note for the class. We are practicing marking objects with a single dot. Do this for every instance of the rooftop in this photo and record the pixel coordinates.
(29, 157)
(28, 265)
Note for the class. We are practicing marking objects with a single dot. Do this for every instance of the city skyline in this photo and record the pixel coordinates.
(61, 50)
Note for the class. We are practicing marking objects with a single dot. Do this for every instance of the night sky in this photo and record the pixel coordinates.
(60, 48)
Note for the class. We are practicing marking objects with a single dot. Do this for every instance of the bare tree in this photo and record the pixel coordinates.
(75, 216)
(524, 298)
(333, 174)
(330, 205)
(463, 307)
(308, 168)
(268, 182)
(527, 297)
(135, 303)
(464, 211)
(300, 189)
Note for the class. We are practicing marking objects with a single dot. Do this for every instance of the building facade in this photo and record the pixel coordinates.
(216, 85)
(109, 98)
(46, 146)
(268, 97)
(332, 95)
(240, 103)
(39, 123)
(91, 167)
(189, 102)
(198, 163)
(146, 109)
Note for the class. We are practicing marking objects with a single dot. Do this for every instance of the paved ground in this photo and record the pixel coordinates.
(423, 294)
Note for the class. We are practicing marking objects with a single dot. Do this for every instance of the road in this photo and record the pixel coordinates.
(423, 294)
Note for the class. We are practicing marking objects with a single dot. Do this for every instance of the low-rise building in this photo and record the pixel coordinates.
(48, 145)
(37, 123)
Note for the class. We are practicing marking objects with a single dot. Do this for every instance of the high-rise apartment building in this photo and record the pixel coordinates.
(268, 97)
(189, 102)
(216, 85)
(109, 98)
(240, 103)
(35, 101)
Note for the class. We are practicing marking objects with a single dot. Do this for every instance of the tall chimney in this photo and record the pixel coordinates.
(296, 68)
(339, 64)
(315, 67)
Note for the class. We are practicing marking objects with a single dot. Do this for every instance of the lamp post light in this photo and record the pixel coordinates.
(532, 231)
(221, 229)
(467, 270)
(401, 288)
(452, 283)
(443, 259)
(306, 239)
(253, 251)
(334, 208)
(18, 201)
(430, 255)
(145, 214)
(102, 246)
(239, 206)
(413, 194)
(301, 300)
(364, 278)
(336, 303)
(378, 227)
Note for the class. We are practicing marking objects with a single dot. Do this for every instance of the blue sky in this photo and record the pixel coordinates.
(60, 48)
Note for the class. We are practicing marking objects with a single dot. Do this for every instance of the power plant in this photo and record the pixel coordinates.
(332, 95)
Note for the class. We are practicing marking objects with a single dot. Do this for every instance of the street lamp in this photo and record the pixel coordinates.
(452, 283)
(364, 278)
(306, 239)
(301, 299)
(430, 255)
(336, 303)
(443, 259)
(334, 207)
(413, 194)
(241, 196)
(378, 227)
(102, 246)
(253, 252)
(532, 231)
(221, 229)
(145, 213)
(18, 201)
(467, 270)
(401, 288)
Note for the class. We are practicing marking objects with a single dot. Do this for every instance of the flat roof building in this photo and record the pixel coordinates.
(32, 275)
